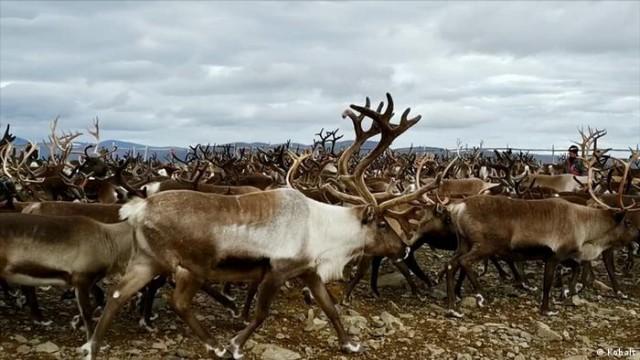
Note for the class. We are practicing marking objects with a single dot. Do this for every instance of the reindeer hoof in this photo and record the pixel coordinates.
(308, 297)
(352, 347)
(346, 301)
(453, 313)
(422, 298)
(222, 353)
(227, 353)
(621, 295)
(565, 293)
(529, 287)
(86, 351)
(43, 323)
(234, 313)
(229, 297)
(549, 313)
(480, 300)
(75, 322)
(143, 324)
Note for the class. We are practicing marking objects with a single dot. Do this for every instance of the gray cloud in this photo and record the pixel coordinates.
(524, 74)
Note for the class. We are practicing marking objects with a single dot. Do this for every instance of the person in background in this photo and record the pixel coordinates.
(574, 165)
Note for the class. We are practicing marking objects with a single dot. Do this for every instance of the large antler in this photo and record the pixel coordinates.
(17, 167)
(626, 166)
(381, 125)
(421, 191)
(297, 161)
(589, 140)
(96, 134)
(64, 142)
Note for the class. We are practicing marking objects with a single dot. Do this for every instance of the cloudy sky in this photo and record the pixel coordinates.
(525, 74)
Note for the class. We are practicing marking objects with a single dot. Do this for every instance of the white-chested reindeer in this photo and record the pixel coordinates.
(270, 236)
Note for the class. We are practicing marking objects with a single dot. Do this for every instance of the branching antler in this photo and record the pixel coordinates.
(63, 143)
(589, 140)
(626, 165)
(96, 134)
(7, 137)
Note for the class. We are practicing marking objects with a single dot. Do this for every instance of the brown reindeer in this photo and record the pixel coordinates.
(71, 251)
(552, 230)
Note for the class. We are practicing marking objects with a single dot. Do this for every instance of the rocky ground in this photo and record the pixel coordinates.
(396, 326)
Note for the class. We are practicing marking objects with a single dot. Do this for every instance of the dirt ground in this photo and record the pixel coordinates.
(396, 326)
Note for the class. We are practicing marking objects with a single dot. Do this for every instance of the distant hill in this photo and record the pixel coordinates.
(163, 152)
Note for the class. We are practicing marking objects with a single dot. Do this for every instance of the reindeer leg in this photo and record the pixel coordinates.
(503, 274)
(404, 270)
(98, 295)
(629, 261)
(84, 305)
(323, 298)
(219, 297)
(138, 274)
(32, 301)
(266, 293)
(587, 273)
(558, 278)
(226, 291)
(375, 270)
(549, 271)
(361, 271)
(519, 277)
(7, 291)
(573, 283)
(187, 285)
(450, 269)
(485, 267)
(251, 293)
(415, 268)
(459, 282)
(466, 262)
(607, 256)
(148, 296)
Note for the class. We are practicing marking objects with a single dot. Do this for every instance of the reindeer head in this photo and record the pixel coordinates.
(388, 232)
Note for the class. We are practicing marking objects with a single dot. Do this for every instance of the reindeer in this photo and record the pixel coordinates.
(432, 229)
(268, 236)
(552, 230)
(108, 214)
(71, 251)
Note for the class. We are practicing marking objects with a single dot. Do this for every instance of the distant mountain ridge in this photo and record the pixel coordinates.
(162, 152)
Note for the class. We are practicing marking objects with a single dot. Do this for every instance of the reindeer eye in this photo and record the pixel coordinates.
(382, 225)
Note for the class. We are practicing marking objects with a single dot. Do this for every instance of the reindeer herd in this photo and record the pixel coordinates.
(221, 216)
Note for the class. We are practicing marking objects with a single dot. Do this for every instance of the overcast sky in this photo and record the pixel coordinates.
(525, 74)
